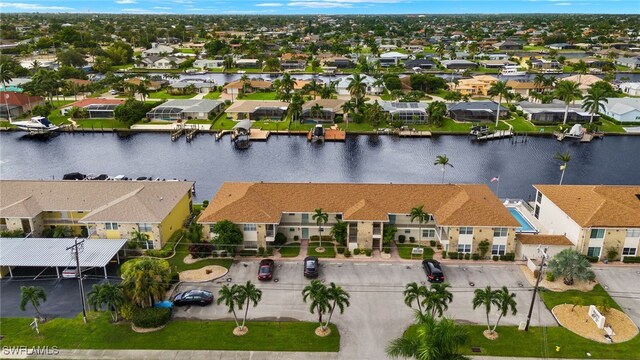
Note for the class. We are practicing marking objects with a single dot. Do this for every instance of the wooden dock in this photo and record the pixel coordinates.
(414, 133)
(586, 137)
(191, 134)
(334, 135)
(259, 135)
(500, 134)
(221, 133)
(177, 133)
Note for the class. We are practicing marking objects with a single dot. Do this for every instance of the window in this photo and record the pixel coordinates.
(407, 231)
(593, 251)
(537, 212)
(633, 233)
(111, 226)
(291, 214)
(249, 227)
(629, 252)
(292, 229)
(143, 227)
(597, 233)
(464, 248)
(500, 232)
(392, 219)
(428, 233)
(498, 249)
(539, 197)
(149, 244)
(466, 231)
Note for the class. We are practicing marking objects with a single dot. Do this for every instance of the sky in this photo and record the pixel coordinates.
(272, 7)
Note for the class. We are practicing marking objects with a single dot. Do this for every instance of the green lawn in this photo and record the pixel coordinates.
(593, 297)
(187, 51)
(609, 127)
(182, 250)
(98, 333)
(269, 95)
(162, 94)
(208, 122)
(213, 95)
(329, 249)
(101, 124)
(59, 103)
(290, 250)
(404, 251)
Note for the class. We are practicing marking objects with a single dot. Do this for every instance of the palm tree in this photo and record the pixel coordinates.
(432, 340)
(317, 111)
(594, 101)
(110, 295)
(440, 299)
(418, 214)
(338, 297)
(357, 88)
(145, 280)
(6, 75)
(437, 110)
(581, 68)
(327, 91)
(143, 89)
(251, 294)
(62, 232)
(231, 297)
(33, 295)
(320, 218)
(412, 293)
(295, 108)
(318, 296)
(567, 91)
(564, 159)
(486, 298)
(538, 81)
(348, 107)
(313, 87)
(444, 161)
(571, 265)
(441, 49)
(499, 89)
(506, 301)
(139, 238)
(287, 83)
(244, 79)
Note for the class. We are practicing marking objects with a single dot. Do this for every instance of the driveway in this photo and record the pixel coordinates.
(623, 284)
(377, 312)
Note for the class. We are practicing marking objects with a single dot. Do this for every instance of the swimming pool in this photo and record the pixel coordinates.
(525, 225)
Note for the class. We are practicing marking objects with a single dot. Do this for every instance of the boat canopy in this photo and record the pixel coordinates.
(243, 124)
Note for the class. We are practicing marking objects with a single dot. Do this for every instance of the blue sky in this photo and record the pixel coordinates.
(266, 7)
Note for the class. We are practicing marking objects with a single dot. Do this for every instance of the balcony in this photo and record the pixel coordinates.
(308, 223)
(61, 221)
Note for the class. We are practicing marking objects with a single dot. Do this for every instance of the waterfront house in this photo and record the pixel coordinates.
(157, 50)
(339, 62)
(459, 216)
(546, 66)
(630, 88)
(407, 112)
(184, 87)
(247, 63)
(561, 46)
(151, 85)
(16, 104)
(630, 62)
(161, 62)
(372, 88)
(477, 111)
(419, 63)
(476, 85)
(584, 81)
(495, 64)
(459, 64)
(97, 209)
(291, 61)
(234, 87)
(188, 109)
(97, 108)
(392, 58)
(330, 109)
(595, 218)
(623, 109)
(507, 45)
(553, 113)
(258, 110)
(208, 63)
(522, 88)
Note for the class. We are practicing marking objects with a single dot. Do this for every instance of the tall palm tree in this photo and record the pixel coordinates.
(442, 160)
(506, 301)
(487, 298)
(571, 265)
(581, 68)
(228, 63)
(564, 158)
(287, 83)
(594, 101)
(338, 297)
(6, 75)
(295, 108)
(567, 91)
(499, 89)
(538, 81)
(143, 89)
(317, 111)
(32, 295)
(348, 107)
(442, 297)
(432, 340)
(248, 293)
(109, 295)
(139, 238)
(231, 297)
(414, 293)
(320, 218)
(318, 296)
(417, 213)
(327, 91)
(313, 87)
(357, 88)
(145, 280)
(244, 79)
(441, 49)
(437, 110)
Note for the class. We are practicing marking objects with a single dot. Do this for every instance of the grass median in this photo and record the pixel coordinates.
(290, 250)
(404, 251)
(99, 333)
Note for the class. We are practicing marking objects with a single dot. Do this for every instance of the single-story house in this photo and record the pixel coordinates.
(419, 63)
(546, 66)
(522, 88)
(248, 63)
(491, 56)
(369, 81)
(459, 64)
(623, 109)
(407, 112)
(161, 62)
(16, 104)
(291, 61)
(330, 108)
(507, 45)
(529, 245)
(584, 81)
(208, 63)
(185, 109)
(152, 85)
(476, 85)
(495, 64)
(561, 46)
(553, 112)
(200, 86)
(392, 58)
(234, 88)
(97, 108)
(157, 50)
(338, 62)
(630, 62)
(258, 110)
(631, 88)
(476, 111)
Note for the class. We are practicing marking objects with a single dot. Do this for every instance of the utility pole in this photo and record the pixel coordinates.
(535, 289)
(76, 248)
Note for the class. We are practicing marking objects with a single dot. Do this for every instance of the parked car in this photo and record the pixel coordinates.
(113, 92)
(265, 270)
(72, 272)
(433, 270)
(311, 267)
(193, 297)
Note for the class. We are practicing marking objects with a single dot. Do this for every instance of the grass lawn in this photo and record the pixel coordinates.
(593, 297)
(329, 249)
(269, 95)
(59, 103)
(222, 123)
(404, 251)
(609, 127)
(448, 125)
(521, 125)
(162, 94)
(182, 250)
(99, 333)
(101, 124)
(208, 122)
(187, 51)
(290, 250)
(213, 95)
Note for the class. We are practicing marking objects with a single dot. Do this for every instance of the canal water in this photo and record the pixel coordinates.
(363, 158)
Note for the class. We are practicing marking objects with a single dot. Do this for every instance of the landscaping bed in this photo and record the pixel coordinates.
(329, 249)
(558, 284)
(289, 250)
(577, 320)
(206, 273)
(404, 251)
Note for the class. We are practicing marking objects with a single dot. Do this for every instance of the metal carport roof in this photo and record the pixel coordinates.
(52, 252)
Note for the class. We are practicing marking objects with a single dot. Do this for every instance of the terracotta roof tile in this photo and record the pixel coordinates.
(529, 239)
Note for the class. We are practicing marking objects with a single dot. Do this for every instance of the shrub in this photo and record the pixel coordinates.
(401, 239)
(612, 253)
(200, 250)
(296, 238)
(14, 233)
(247, 252)
(150, 317)
(503, 257)
(432, 243)
(550, 276)
(386, 250)
(483, 248)
(511, 256)
(126, 311)
(260, 251)
(205, 203)
(631, 259)
(460, 256)
(475, 256)
(347, 253)
(593, 259)
(453, 255)
(444, 254)
(280, 239)
(496, 257)
(340, 249)
(356, 251)
(467, 256)
(314, 238)
(412, 239)
(175, 278)
(167, 249)
(367, 252)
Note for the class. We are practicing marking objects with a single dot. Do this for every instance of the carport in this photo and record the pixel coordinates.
(53, 252)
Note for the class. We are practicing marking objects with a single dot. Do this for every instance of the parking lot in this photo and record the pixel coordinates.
(377, 312)
(623, 284)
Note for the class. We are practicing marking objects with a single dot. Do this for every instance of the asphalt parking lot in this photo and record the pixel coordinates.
(623, 284)
(377, 312)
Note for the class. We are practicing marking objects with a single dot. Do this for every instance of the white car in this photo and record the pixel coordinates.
(72, 272)
(113, 92)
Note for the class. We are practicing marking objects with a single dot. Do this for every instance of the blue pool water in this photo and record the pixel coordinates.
(525, 226)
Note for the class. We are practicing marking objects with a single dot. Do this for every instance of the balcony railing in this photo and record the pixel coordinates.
(61, 221)
(308, 223)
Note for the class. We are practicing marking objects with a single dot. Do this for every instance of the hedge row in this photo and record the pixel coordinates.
(150, 317)
(631, 259)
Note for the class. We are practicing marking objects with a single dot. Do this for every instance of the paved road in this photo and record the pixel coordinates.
(377, 312)
(623, 284)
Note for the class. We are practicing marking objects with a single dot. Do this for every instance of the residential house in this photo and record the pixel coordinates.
(372, 87)
(152, 85)
(424, 64)
(595, 218)
(199, 86)
(522, 88)
(623, 109)
(158, 50)
(546, 66)
(291, 61)
(630, 88)
(161, 62)
(392, 58)
(208, 63)
(459, 64)
(477, 111)
(188, 109)
(476, 85)
(16, 104)
(630, 62)
(459, 216)
(330, 109)
(495, 64)
(553, 113)
(407, 112)
(339, 62)
(561, 46)
(248, 63)
(258, 110)
(97, 209)
(97, 108)
(234, 88)
(584, 81)
(507, 45)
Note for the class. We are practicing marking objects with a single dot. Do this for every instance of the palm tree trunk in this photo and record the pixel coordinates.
(235, 317)
(591, 118)
(498, 111)
(246, 311)
(489, 326)
(443, 174)
(566, 114)
(562, 176)
(330, 314)
(419, 304)
(497, 322)
(319, 315)
(37, 310)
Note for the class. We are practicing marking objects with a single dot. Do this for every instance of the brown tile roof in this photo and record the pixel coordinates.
(530, 239)
(79, 81)
(117, 201)
(451, 204)
(95, 101)
(19, 99)
(597, 205)
(255, 84)
(334, 104)
(247, 106)
(292, 56)
(521, 85)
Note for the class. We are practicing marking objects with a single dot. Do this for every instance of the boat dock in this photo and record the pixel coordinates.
(500, 134)
(259, 135)
(177, 133)
(334, 135)
(586, 138)
(413, 133)
(222, 133)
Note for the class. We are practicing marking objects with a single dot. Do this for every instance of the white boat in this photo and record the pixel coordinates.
(36, 125)
(512, 70)
(317, 134)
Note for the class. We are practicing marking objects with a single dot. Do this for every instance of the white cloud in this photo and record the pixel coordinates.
(125, 1)
(33, 7)
(136, 10)
(162, 8)
(563, 4)
(182, 1)
(318, 4)
(270, 4)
